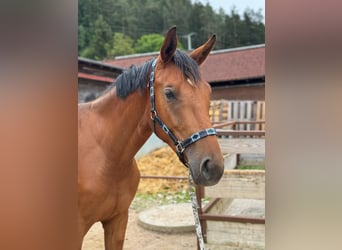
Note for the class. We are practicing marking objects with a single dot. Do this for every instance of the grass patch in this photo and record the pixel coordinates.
(144, 201)
(249, 167)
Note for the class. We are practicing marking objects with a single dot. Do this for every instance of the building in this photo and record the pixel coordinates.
(94, 77)
(234, 74)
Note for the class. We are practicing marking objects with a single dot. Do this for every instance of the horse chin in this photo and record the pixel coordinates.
(200, 180)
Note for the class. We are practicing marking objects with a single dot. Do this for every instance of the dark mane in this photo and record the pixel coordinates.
(132, 79)
(137, 77)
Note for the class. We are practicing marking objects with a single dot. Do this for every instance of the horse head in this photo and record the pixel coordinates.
(180, 102)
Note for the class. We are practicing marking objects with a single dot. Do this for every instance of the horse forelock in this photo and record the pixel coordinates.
(188, 66)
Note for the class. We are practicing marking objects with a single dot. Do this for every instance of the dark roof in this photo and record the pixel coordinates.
(136, 59)
(235, 64)
(244, 63)
(95, 70)
(221, 65)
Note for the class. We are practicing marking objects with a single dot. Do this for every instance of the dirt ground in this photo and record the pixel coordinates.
(140, 238)
(163, 162)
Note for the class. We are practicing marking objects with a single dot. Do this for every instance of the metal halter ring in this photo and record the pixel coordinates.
(153, 114)
(180, 148)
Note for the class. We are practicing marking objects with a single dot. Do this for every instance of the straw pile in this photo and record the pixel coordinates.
(161, 162)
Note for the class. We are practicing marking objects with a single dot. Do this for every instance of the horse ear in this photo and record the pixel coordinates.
(201, 53)
(169, 46)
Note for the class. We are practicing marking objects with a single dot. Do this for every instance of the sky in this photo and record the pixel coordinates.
(240, 5)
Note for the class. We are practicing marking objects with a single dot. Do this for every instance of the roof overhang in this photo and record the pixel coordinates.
(96, 68)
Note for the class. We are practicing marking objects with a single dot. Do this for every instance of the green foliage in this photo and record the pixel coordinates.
(145, 21)
(121, 45)
(149, 43)
(82, 37)
(99, 37)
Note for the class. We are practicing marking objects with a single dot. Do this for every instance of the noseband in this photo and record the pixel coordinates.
(180, 145)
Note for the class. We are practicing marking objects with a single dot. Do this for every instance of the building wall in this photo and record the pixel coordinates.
(88, 91)
(239, 93)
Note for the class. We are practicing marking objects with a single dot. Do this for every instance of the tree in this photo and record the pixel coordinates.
(82, 38)
(149, 43)
(100, 19)
(101, 36)
(233, 29)
(121, 45)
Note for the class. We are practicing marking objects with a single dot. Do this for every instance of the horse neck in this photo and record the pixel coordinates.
(127, 125)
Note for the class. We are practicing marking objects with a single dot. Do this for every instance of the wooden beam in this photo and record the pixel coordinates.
(164, 177)
(236, 133)
(242, 146)
(249, 184)
(230, 218)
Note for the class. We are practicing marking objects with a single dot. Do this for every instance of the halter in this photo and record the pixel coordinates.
(180, 145)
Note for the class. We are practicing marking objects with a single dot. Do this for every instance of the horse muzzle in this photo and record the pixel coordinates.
(206, 171)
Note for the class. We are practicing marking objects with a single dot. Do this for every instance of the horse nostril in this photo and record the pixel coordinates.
(205, 167)
(209, 171)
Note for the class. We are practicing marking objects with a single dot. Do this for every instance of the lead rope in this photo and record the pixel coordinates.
(195, 212)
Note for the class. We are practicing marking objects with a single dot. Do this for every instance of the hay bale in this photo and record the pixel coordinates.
(161, 162)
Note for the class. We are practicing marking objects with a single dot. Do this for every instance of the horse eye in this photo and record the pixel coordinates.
(169, 94)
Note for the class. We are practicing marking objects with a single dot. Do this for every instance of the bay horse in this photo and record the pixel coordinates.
(167, 96)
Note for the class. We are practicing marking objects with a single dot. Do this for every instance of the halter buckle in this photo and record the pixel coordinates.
(179, 147)
(153, 114)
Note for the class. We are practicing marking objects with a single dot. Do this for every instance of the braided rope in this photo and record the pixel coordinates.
(195, 208)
